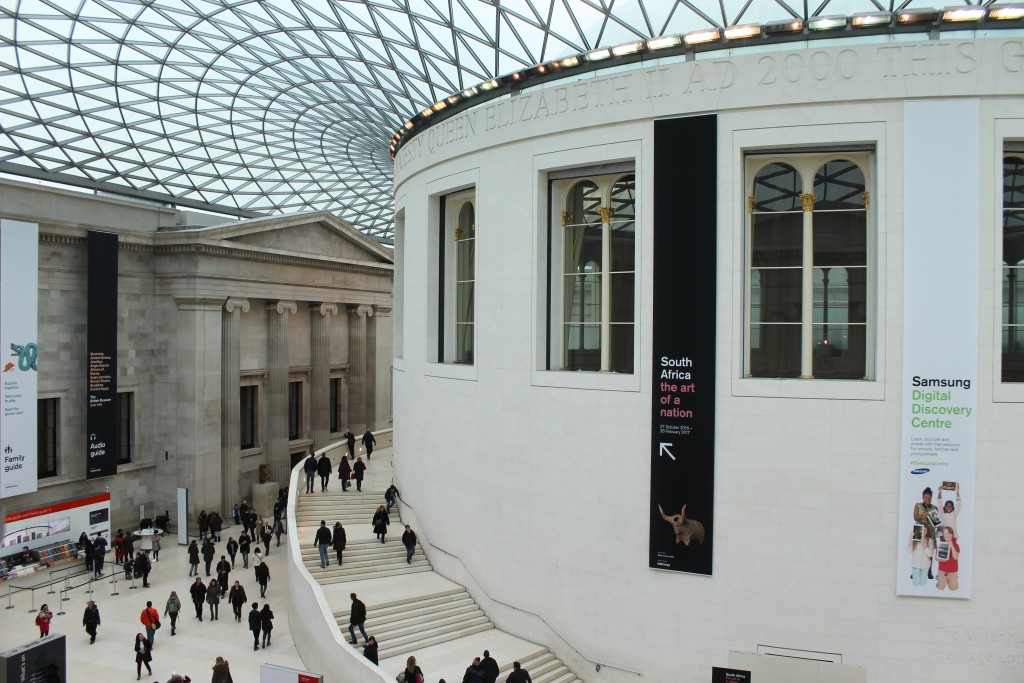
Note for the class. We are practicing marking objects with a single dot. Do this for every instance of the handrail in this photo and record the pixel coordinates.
(516, 607)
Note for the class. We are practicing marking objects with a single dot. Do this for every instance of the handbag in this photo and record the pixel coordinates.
(156, 625)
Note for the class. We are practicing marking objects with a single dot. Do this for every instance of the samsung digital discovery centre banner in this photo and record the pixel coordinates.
(940, 349)
(683, 373)
(19, 352)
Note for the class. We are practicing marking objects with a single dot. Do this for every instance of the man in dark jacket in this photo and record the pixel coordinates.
(322, 543)
(518, 675)
(368, 443)
(223, 573)
(323, 468)
(338, 540)
(490, 667)
(356, 617)
(198, 592)
(255, 624)
(91, 620)
(309, 467)
(474, 672)
(208, 553)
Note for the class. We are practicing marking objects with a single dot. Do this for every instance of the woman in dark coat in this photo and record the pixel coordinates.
(193, 559)
(267, 624)
(221, 671)
(344, 472)
(142, 655)
(380, 523)
(338, 539)
(359, 468)
(91, 620)
(323, 468)
(370, 649)
(255, 625)
(237, 599)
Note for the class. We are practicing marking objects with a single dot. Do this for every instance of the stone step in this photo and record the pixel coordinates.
(420, 601)
(360, 550)
(434, 615)
(423, 626)
(357, 567)
(411, 646)
(373, 574)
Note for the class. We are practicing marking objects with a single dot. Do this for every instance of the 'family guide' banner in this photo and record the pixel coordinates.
(940, 349)
(683, 373)
(19, 352)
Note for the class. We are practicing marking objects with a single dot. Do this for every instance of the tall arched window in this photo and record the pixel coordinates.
(1013, 269)
(597, 274)
(807, 307)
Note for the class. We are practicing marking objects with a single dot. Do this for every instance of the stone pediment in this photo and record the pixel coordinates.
(318, 234)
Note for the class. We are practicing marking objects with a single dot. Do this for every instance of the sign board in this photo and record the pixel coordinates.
(61, 522)
(44, 659)
(723, 675)
(101, 357)
(270, 673)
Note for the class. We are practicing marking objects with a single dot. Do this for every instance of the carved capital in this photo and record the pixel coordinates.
(231, 304)
(606, 213)
(807, 199)
(324, 309)
(283, 307)
(362, 311)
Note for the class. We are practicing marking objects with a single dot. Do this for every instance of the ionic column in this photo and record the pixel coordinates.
(383, 325)
(357, 319)
(230, 417)
(277, 389)
(320, 377)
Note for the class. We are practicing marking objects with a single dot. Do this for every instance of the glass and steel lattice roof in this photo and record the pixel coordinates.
(258, 107)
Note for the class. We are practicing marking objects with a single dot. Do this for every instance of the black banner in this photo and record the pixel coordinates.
(683, 372)
(101, 361)
(44, 659)
(723, 675)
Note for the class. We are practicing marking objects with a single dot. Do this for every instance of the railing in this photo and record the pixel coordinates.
(309, 612)
(66, 588)
(595, 662)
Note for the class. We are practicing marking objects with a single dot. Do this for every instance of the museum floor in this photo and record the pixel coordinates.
(192, 651)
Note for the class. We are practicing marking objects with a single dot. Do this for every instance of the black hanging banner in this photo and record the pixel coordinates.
(683, 352)
(101, 343)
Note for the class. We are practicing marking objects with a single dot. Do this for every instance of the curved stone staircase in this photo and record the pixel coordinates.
(410, 609)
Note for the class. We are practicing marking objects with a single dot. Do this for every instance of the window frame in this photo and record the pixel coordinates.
(48, 454)
(807, 163)
(560, 189)
(452, 206)
(254, 422)
(1014, 150)
(125, 423)
(296, 389)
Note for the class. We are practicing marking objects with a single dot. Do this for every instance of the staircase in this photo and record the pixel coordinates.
(410, 609)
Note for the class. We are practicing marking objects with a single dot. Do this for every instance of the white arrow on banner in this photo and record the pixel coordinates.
(663, 449)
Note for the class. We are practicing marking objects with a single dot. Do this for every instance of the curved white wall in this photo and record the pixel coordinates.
(539, 480)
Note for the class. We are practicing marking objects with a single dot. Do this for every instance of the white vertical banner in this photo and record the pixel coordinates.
(940, 348)
(19, 328)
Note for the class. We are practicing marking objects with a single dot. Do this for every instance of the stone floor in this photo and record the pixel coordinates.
(192, 651)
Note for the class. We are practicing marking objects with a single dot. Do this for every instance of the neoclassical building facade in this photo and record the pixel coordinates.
(241, 347)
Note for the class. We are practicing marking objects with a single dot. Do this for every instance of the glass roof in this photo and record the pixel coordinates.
(286, 105)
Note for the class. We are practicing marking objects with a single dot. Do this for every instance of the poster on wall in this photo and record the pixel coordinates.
(940, 350)
(43, 660)
(55, 523)
(19, 351)
(101, 357)
(682, 442)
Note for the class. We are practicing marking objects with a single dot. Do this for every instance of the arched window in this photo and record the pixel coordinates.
(598, 245)
(465, 281)
(808, 280)
(1013, 269)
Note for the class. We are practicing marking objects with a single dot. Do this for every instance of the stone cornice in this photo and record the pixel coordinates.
(198, 303)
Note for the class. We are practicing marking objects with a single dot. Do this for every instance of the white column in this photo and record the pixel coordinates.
(320, 375)
(357, 324)
(276, 445)
(230, 409)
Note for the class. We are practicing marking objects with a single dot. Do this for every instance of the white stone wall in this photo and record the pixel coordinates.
(539, 481)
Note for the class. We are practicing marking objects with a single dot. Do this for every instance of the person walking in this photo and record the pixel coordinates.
(380, 523)
(278, 530)
(128, 564)
(409, 541)
(237, 599)
(257, 557)
(309, 467)
(232, 549)
(91, 620)
(198, 592)
(350, 441)
(216, 525)
(204, 525)
(412, 673)
(171, 609)
(193, 559)
(278, 510)
(359, 468)
(213, 599)
(391, 497)
(518, 675)
(244, 545)
(43, 619)
(356, 617)
(370, 649)
(368, 443)
(85, 545)
(150, 618)
(118, 544)
(266, 624)
(266, 534)
(490, 667)
(223, 574)
(221, 671)
(156, 548)
(255, 625)
(324, 468)
(338, 539)
(143, 655)
(474, 672)
(344, 472)
(263, 577)
(322, 542)
(209, 552)
(236, 515)
(129, 545)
